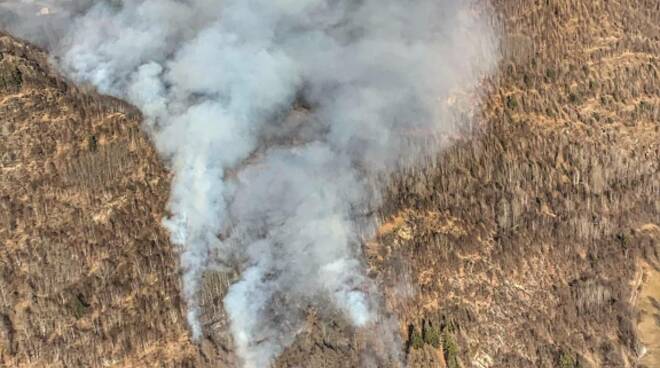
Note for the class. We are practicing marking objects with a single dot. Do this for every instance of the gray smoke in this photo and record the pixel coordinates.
(276, 117)
(43, 22)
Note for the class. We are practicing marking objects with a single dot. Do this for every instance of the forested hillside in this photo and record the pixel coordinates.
(531, 241)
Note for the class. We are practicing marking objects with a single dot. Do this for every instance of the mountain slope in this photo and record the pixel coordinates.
(532, 241)
(88, 277)
(525, 240)
(521, 245)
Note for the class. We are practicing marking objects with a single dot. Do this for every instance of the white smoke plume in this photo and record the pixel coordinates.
(275, 117)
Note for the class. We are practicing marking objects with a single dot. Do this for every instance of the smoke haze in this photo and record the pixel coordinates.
(275, 117)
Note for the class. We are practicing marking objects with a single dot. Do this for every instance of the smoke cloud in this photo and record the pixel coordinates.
(276, 117)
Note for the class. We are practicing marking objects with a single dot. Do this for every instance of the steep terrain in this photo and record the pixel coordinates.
(524, 241)
(87, 275)
(532, 241)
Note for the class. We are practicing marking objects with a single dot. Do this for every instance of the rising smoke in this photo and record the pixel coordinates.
(275, 117)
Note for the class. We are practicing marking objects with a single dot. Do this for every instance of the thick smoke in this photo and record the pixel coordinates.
(43, 22)
(276, 116)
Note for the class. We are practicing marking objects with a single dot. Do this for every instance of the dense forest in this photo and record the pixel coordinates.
(532, 240)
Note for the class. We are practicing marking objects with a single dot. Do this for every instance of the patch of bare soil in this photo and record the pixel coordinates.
(648, 322)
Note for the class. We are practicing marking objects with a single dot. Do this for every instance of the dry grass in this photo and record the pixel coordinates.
(521, 244)
(546, 200)
(88, 277)
(649, 319)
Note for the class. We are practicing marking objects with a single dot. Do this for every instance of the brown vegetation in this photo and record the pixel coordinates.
(528, 236)
(87, 275)
(519, 246)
